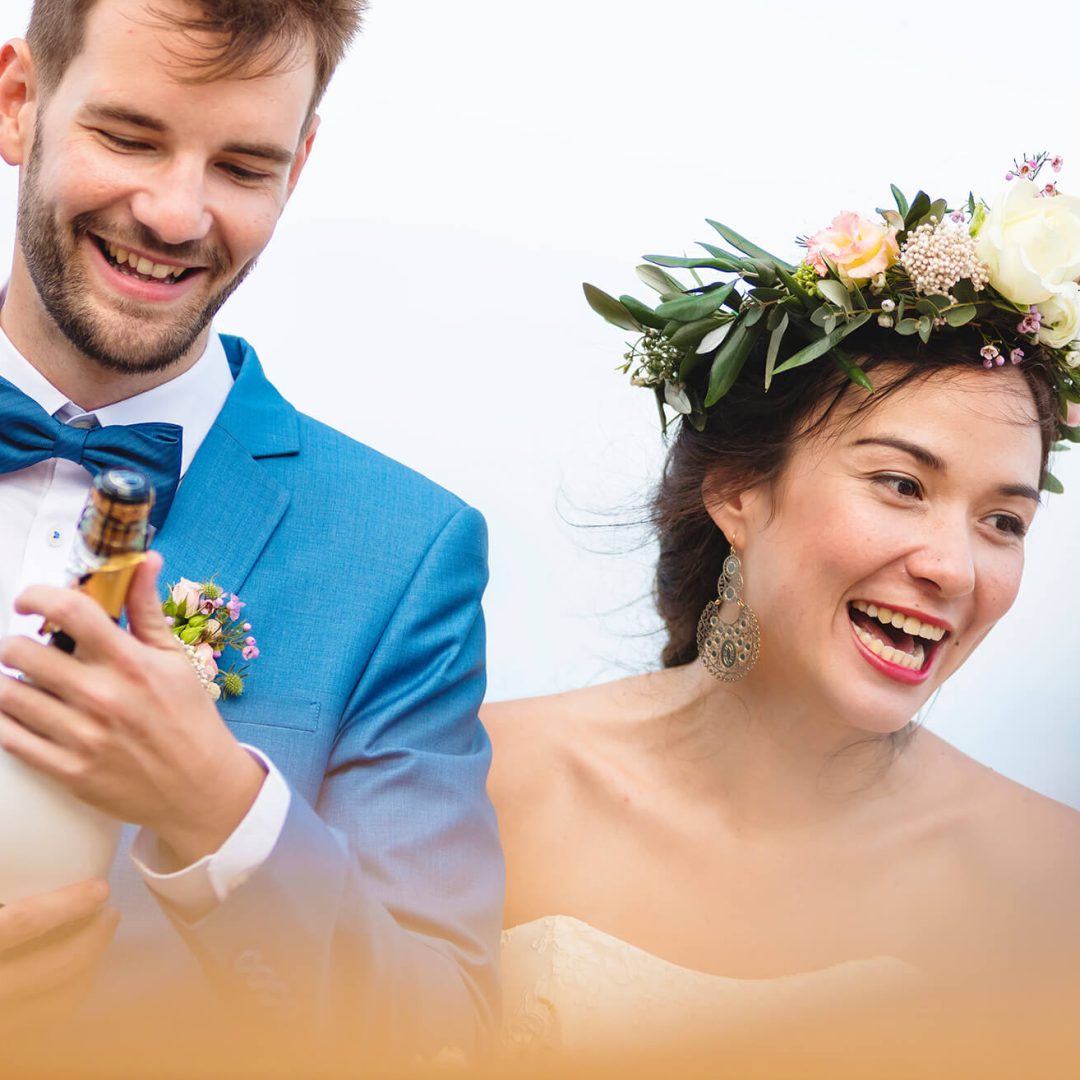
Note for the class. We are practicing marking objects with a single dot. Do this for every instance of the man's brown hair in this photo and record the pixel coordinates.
(246, 38)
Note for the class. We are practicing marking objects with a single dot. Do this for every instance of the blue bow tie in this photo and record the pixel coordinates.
(28, 434)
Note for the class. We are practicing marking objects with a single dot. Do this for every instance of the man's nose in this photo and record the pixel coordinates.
(173, 203)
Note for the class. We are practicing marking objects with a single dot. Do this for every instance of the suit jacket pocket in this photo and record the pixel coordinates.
(271, 710)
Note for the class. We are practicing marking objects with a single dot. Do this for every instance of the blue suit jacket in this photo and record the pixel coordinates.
(378, 911)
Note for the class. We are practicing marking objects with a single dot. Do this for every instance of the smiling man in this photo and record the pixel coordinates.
(320, 848)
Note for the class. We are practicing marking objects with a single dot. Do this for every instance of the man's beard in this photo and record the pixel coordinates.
(129, 342)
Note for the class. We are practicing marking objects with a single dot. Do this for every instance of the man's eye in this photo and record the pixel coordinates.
(121, 143)
(248, 176)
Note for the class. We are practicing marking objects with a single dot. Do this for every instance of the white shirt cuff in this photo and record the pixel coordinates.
(197, 889)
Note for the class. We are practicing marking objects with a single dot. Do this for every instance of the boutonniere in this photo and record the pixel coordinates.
(208, 622)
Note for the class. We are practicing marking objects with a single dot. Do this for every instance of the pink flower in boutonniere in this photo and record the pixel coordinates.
(186, 595)
(204, 654)
(207, 622)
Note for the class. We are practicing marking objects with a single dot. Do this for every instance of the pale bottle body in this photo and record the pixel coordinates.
(49, 838)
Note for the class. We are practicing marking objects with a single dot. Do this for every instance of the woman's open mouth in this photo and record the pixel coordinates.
(903, 644)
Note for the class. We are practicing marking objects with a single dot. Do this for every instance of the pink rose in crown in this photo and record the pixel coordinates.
(859, 248)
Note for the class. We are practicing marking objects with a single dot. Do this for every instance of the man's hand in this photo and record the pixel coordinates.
(124, 723)
(49, 947)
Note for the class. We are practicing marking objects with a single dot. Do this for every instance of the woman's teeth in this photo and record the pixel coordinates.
(913, 660)
(907, 623)
(911, 631)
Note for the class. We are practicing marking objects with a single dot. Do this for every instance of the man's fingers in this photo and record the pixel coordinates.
(145, 617)
(43, 714)
(42, 754)
(77, 615)
(33, 917)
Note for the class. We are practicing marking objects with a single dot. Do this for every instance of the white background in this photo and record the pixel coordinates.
(480, 158)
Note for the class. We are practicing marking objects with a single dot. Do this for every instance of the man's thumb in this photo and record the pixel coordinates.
(145, 617)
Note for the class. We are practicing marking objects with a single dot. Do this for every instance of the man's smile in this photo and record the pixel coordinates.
(139, 276)
(140, 264)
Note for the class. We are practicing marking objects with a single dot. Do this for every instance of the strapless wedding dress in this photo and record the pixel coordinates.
(570, 989)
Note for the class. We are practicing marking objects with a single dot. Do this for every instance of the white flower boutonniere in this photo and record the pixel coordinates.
(208, 622)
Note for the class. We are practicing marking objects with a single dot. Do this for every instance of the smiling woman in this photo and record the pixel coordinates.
(937, 472)
(763, 851)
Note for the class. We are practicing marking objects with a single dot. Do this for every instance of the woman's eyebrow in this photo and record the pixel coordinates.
(919, 453)
(932, 461)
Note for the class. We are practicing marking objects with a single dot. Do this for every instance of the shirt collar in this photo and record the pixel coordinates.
(192, 400)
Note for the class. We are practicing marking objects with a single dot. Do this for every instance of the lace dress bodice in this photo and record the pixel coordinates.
(572, 989)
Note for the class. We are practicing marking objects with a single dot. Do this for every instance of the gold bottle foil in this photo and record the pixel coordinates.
(113, 534)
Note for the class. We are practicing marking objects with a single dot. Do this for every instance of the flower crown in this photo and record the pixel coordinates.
(1007, 272)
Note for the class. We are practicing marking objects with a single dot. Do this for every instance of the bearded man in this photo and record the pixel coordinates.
(320, 848)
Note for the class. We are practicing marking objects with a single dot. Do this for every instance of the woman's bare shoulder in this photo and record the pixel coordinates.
(1010, 832)
(551, 754)
(530, 735)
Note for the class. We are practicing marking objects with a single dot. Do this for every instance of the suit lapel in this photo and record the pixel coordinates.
(228, 504)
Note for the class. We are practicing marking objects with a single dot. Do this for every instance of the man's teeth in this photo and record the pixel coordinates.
(142, 265)
(914, 660)
(908, 623)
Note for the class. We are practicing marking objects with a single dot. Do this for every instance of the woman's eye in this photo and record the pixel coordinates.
(1009, 523)
(903, 486)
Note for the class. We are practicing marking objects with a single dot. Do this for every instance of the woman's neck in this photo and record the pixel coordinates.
(770, 760)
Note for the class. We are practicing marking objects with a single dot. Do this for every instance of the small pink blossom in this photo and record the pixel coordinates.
(1055, 163)
(207, 607)
(233, 607)
(989, 352)
(1049, 190)
(1031, 322)
(1016, 356)
(957, 216)
(249, 641)
(249, 652)
(1010, 175)
(246, 627)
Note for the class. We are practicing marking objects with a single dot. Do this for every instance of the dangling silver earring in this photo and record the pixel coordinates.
(728, 649)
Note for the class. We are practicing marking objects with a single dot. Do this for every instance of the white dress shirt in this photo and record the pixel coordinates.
(39, 509)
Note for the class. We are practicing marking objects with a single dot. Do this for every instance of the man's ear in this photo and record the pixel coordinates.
(18, 101)
(302, 154)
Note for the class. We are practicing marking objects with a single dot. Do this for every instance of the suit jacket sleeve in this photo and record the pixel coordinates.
(375, 920)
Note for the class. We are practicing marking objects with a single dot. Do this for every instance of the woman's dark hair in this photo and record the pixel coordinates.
(747, 439)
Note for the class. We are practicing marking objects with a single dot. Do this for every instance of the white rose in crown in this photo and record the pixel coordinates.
(1061, 317)
(1030, 242)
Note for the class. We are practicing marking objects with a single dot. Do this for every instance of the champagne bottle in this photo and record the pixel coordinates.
(110, 542)
(48, 837)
